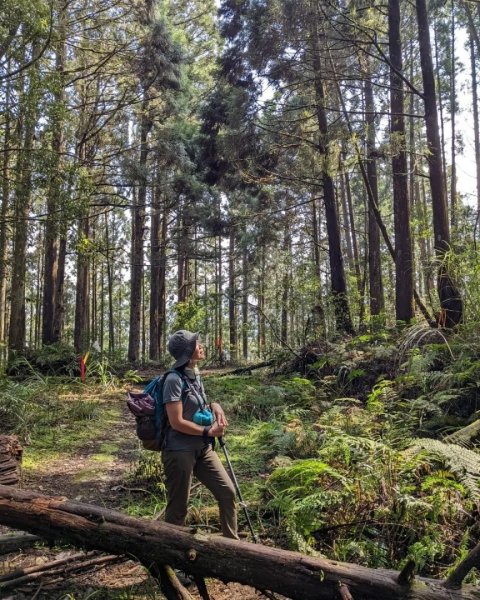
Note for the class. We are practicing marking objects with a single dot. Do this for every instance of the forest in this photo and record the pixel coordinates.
(298, 181)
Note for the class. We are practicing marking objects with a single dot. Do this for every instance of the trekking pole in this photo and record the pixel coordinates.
(243, 504)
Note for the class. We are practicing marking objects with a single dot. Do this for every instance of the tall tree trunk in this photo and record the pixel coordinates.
(337, 270)
(318, 324)
(220, 301)
(453, 113)
(138, 222)
(81, 333)
(111, 317)
(184, 266)
(476, 124)
(401, 202)
(440, 101)
(246, 286)
(377, 300)
(450, 300)
(287, 276)
(5, 205)
(155, 250)
(261, 337)
(232, 296)
(23, 190)
(53, 260)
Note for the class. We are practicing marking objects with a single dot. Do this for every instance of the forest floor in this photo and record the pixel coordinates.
(97, 472)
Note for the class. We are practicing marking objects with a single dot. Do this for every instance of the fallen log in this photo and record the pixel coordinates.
(288, 573)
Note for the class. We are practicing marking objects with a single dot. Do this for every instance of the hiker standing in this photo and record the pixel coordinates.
(188, 445)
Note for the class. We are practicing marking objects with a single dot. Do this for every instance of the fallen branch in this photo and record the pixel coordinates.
(59, 570)
(242, 370)
(44, 567)
(289, 573)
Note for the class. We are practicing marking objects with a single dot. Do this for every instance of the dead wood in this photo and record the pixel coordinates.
(13, 543)
(472, 560)
(10, 460)
(44, 567)
(288, 573)
(243, 370)
(59, 570)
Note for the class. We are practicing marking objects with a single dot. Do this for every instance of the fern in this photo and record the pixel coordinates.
(463, 463)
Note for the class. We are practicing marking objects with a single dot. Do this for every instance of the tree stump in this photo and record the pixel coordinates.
(10, 460)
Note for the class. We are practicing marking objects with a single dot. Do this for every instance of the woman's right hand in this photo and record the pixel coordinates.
(216, 430)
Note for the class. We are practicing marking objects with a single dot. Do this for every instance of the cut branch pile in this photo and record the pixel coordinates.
(10, 460)
(158, 544)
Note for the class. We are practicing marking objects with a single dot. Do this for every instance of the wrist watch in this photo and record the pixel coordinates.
(205, 432)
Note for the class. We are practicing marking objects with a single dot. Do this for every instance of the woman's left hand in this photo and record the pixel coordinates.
(219, 415)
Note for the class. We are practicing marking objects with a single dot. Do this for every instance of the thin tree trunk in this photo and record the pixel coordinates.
(450, 300)
(22, 205)
(319, 327)
(401, 201)
(155, 250)
(476, 124)
(453, 113)
(81, 334)
(376, 300)
(220, 301)
(53, 260)
(111, 317)
(245, 283)
(232, 300)
(5, 205)
(440, 102)
(138, 221)
(337, 271)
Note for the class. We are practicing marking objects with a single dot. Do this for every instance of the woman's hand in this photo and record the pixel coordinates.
(219, 415)
(216, 430)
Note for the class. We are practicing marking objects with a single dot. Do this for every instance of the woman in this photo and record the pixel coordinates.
(188, 449)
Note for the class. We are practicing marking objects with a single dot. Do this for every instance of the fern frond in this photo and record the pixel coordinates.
(463, 463)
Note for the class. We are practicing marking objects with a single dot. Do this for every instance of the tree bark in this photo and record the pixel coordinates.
(476, 125)
(53, 260)
(450, 301)
(337, 269)
(81, 333)
(232, 297)
(138, 227)
(22, 205)
(401, 202)
(376, 296)
(293, 575)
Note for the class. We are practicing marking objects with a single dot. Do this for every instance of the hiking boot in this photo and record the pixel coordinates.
(184, 578)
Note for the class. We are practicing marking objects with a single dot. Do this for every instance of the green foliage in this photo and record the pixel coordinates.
(189, 315)
(464, 464)
(52, 359)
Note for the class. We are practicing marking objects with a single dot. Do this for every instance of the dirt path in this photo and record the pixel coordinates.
(95, 471)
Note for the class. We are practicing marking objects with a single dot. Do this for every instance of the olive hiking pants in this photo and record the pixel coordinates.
(179, 469)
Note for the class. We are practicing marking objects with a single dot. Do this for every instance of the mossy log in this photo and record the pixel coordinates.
(288, 573)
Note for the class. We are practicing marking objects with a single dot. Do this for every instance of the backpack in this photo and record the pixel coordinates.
(149, 411)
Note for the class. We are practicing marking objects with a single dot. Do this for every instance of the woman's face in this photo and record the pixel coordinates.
(199, 353)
